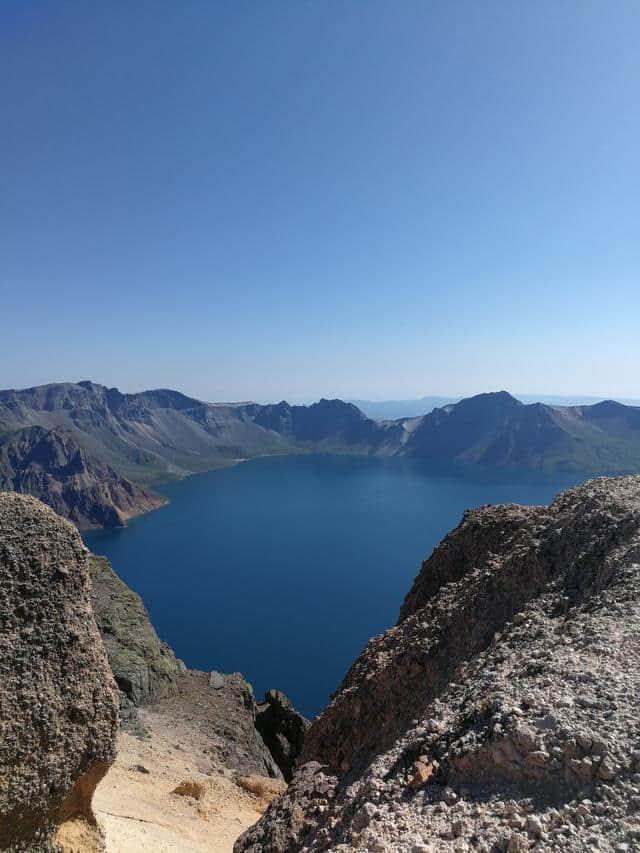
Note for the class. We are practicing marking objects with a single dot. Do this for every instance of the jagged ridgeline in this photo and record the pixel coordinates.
(92, 452)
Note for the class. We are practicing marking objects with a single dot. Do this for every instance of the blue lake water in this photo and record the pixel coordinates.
(281, 568)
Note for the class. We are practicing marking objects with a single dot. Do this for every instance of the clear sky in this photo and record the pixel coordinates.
(356, 198)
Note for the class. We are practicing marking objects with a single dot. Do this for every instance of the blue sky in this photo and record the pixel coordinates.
(292, 199)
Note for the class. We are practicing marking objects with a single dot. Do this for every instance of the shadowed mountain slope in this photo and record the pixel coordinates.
(156, 435)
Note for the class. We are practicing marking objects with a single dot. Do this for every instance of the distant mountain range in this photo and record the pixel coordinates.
(92, 452)
(386, 410)
(394, 409)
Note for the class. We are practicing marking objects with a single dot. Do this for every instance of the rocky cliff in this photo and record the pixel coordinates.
(240, 735)
(155, 435)
(145, 668)
(52, 466)
(220, 709)
(58, 701)
(500, 714)
(283, 730)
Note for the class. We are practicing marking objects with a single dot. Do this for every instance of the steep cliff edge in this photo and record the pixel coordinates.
(144, 667)
(52, 466)
(58, 702)
(501, 712)
(241, 736)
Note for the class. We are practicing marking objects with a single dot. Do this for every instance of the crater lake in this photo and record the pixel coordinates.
(282, 567)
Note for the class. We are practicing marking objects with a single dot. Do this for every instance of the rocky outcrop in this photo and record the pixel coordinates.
(52, 466)
(145, 668)
(221, 709)
(325, 425)
(58, 701)
(500, 714)
(240, 735)
(283, 730)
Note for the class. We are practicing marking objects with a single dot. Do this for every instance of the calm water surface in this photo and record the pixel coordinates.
(281, 568)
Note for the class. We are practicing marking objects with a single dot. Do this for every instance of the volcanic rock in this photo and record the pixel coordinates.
(283, 729)
(52, 466)
(513, 674)
(58, 700)
(144, 667)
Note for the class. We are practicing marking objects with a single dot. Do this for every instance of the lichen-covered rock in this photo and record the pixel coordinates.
(283, 729)
(144, 667)
(58, 700)
(501, 713)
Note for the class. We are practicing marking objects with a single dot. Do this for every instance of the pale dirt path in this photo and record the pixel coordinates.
(139, 813)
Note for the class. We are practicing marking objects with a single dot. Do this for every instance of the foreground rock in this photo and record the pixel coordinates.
(144, 667)
(501, 712)
(57, 697)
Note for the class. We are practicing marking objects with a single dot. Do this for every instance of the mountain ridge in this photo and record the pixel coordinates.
(412, 408)
(132, 441)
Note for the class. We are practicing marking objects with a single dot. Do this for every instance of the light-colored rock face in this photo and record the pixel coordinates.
(58, 701)
(501, 713)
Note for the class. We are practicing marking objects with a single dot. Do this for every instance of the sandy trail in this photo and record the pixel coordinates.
(138, 812)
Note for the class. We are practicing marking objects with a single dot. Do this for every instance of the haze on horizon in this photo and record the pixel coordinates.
(293, 200)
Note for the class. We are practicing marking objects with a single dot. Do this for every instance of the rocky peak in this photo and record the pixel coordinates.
(53, 451)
